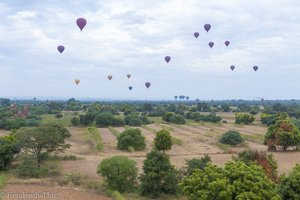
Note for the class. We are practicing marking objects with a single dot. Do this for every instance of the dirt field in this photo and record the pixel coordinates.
(195, 140)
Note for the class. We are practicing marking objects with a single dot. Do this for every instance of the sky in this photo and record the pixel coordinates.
(133, 37)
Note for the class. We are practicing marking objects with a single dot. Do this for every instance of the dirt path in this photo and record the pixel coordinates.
(12, 191)
(109, 140)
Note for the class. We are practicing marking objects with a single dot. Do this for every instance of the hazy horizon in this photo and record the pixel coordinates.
(134, 37)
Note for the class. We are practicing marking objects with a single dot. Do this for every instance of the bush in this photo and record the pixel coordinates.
(75, 121)
(177, 119)
(29, 169)
(289, 187)
(59, 115)
(106, 119)
(74, 178)
(86, 119)
(136, 120)
(163, 140)
(244, 118)
(193, 164)
(267, 119)
(131, 138)
(231, 138)
(159, 175)
(120, 173)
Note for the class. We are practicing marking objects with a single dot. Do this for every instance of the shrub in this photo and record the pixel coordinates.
(106, 119)
(193, 164)
(159, 175)
(244, 118)
(267, 119)
(74, 178)
(136, 120)
(289, 187)
(177, 119)
(131, 138)
(29, 169)
(75, 121)
(59, 115)
(163, 140)
(120, 173)
(231, 138)
(86, 119)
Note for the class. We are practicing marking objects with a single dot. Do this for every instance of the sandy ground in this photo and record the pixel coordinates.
(12, 192)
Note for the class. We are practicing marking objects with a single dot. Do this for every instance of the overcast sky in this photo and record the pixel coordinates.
(134, 36)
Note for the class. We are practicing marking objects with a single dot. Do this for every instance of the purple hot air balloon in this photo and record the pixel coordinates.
(227, 43)
(211, 44)
(232, 67)
(81, 22)
(147, 84)
(196, 34)
(167, 59)
(207, 27)
(130, 87)
(255, 68)
(61, 48)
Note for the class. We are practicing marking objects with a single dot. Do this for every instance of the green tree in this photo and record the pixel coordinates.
(131, 138)
(120, 173)
(289, 187)
(163, 140)
(159, 176)
(284, 133)
(266, 161)
(244, 118)
(42, 140)
(235, 181)
(8, 148)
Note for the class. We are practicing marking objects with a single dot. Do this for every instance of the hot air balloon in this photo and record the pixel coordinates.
(77, 81)
(211, 44)
(196, 34)
(61, 48)
(81, 22)
(232, 67)
(147, 84)
(109, 77)
(227, 43)
(255, 68)
(128, 76)
(207, 27)
(130, 87)
(167, 59)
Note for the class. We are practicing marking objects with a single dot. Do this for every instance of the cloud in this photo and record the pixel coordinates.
(135, 36)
